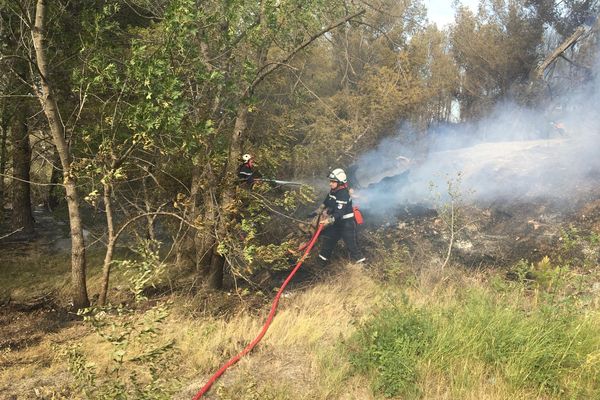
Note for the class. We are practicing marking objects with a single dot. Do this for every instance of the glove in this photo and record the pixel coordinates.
(327, 221)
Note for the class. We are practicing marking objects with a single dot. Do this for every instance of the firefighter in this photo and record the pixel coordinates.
(246, 173)
(338, 219)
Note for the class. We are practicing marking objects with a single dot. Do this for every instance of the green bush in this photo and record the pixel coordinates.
(141, 359)
(389, 348)
(549, 350)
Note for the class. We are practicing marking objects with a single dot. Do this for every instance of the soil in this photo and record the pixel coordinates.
(500, 234)
(23, 325)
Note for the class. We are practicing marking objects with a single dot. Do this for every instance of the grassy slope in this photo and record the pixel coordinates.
(485, 338)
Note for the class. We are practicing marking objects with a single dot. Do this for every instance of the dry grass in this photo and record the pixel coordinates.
(36, 272)
(298, 358)
(302, 356)
(39, 369)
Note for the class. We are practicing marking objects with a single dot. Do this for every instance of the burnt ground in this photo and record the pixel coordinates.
(25, 324)
(501, 233)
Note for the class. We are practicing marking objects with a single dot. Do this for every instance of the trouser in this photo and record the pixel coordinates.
(345, 230)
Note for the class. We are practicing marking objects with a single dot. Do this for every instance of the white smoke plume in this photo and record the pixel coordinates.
(514, 154)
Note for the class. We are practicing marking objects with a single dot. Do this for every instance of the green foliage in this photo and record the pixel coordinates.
(569, 238)
(144, 271)
(542, 275)
(594, 239)
(267, 227)
(140, 359)
(549, 350)
(578, 248)
(390, 346)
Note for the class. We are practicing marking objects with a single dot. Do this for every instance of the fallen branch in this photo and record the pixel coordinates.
(12, 233)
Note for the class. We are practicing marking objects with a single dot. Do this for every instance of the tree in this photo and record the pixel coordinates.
(47, 98)
(237, 46)
(265, 68)
(495, 50)
(3, 154)
(22, 217)
(359, 86)
(16, 113)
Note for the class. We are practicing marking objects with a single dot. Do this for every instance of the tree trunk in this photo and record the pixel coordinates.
(205, 241)
(538, 73)
(216, 271)
(217, 264)
(53, 196)
(22, 217)
(110, 246)
(4, 129)
(186, 257)
(46, 97)
(150, 219)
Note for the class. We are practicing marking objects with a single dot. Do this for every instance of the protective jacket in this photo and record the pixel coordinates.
(338, 205)
(246, 174)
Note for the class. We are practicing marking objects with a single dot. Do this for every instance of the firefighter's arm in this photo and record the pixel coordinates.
(317, 211)
(327, 220)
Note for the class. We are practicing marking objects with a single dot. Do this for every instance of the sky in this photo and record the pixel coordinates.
(441, 12)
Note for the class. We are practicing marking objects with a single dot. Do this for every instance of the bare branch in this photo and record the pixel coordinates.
(271, 67)
(30, 182)
(570, 41)
(156, 213)
(12, 233)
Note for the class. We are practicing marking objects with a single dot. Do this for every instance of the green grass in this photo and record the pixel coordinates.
(546, 351)
(33, 273)
(36, 272)
(395, 341)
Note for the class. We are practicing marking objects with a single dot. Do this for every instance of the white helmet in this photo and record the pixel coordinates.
(338, 175)
(246, 157)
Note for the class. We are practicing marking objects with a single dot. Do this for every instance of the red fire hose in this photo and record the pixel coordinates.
(248, 348)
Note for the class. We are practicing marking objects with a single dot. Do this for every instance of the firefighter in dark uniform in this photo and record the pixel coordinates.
(246, 174)
(339, 219)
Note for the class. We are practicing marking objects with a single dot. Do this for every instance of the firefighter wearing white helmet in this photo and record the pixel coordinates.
(246, 173)
(338, 175)
(339, 218)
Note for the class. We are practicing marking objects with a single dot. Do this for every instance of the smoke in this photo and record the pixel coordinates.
(515, 153)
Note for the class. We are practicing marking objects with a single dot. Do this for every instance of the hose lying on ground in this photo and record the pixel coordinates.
(248, 348)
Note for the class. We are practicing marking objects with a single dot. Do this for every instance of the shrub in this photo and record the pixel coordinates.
(389, 348)
(549, 350)
(140, 358)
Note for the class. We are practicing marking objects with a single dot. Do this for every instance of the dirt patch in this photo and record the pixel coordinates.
(25, 324)
(589, 216)
(498, 234)
(28, 333)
